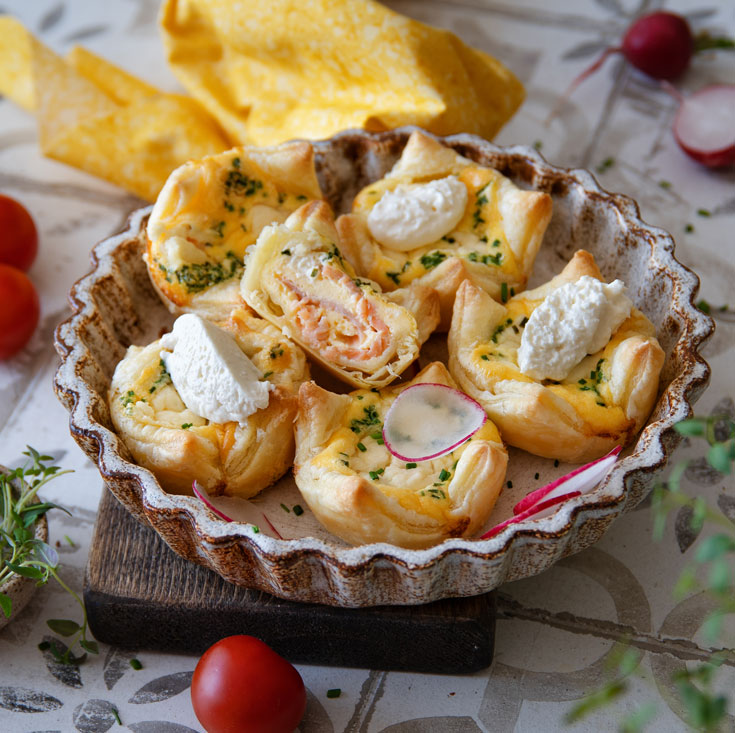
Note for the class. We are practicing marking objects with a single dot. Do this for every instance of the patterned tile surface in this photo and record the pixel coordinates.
(555, 632)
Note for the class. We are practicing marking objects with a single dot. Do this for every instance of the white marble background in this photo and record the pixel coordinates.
(556, 631)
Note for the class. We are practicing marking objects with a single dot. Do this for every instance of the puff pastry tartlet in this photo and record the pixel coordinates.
(178, 445)
(210, 210)
(604, 399)
(296, 277)
(493, 239)
(362, 493)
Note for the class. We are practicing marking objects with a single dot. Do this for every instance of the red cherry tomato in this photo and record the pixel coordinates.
(18, 235)
(19, 310)
(241, 685)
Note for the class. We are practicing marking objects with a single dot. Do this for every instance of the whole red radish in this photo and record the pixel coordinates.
(659, 44)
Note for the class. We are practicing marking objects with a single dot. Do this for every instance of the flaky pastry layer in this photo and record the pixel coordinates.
(179, 446)
(211, 210)
(494, 244)
(604, 400)
(362, 493)
(297, 278)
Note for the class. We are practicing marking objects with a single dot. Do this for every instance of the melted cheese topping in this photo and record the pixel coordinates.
(585, 387)
(478, 238)
(205, 217)
(357, 447)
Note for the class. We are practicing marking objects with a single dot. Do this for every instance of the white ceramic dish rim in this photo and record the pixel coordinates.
(649, 452)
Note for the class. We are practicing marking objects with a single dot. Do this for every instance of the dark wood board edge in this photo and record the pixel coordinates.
(140, 595)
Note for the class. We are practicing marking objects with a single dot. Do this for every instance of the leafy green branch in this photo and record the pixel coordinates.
(23, 555)
(705, 708)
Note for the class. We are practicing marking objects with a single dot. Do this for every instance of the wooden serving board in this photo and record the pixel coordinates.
(140, 595)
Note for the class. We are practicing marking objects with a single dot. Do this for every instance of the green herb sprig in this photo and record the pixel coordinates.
(710, 571)
(23, 555)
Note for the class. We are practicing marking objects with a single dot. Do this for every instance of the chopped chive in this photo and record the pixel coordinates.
(605, 165)
(538, 144)
(704, 306)
(361, 397)
(267, 374)
(689, 228)
(69, 540)
(186, 425)
(297, 510)
(336, 692)
(116, 715)
(285, 508)
(361, 447)
(704, 212)
(535, 475)
(485, 357)
(256, 529)
(411, 465)
(509, 484)
(375, 475)
(504, 292)
(285, 251)
(135, 663)
(664, 184)
(556, 463)
(444, 474)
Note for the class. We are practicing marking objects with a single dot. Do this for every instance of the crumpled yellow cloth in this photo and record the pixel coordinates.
(259, 73)
(281, 69)
(99, 118)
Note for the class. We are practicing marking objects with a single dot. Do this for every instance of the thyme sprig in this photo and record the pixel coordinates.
(23, 555)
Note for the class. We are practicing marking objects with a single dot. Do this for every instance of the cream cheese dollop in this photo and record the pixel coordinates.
(414, 215)
(574, 320)
(212, 375)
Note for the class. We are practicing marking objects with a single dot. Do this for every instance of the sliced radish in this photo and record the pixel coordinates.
(542, 509)
(429, 420)
(704, 126)
(242, 509)
(580, 481)
(204, 498)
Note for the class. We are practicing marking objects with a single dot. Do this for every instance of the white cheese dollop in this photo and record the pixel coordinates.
(213, 377)
(414, 215)
(574, 320)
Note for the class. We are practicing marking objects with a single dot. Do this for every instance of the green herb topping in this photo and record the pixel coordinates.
(432, 259)
(371, 418)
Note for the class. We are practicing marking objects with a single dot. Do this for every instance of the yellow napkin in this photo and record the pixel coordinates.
(276, 70)
(99, 118)
(266, 72)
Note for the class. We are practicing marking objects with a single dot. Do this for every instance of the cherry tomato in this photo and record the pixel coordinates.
(241, 685)
(19, 310)
(18, 235)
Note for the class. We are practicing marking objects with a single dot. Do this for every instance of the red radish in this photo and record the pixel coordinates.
(428, 420)
(245, 510)
(542, 509)
(541, 503)
(660, 44)
(205, 500)
(579, 481)
(704, 126)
